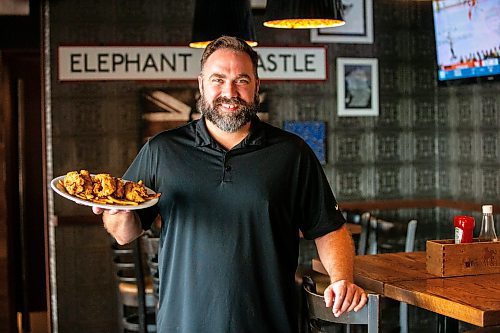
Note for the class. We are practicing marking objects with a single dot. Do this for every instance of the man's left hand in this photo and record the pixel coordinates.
(344, 296)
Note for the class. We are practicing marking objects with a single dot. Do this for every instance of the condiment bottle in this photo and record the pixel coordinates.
(487, 233)
(464, 229)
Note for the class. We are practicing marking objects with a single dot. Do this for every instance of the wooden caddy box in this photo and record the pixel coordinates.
(445, 258)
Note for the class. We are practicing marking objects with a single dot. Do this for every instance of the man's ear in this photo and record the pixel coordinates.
(200, 83)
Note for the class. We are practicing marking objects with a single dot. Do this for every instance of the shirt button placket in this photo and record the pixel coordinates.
(227, 169)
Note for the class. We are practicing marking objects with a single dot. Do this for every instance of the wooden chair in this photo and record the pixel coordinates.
(385, 236)
(321, 318)
(364, 221)
(135, 291)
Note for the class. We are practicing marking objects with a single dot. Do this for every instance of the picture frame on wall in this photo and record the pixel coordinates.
(313, 133)
(357, 87)
(358, 29)
(258, 4)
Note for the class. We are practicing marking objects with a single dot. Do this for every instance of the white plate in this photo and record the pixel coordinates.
(62, 192)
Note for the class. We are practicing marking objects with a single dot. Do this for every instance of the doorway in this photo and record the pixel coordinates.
(23, 222)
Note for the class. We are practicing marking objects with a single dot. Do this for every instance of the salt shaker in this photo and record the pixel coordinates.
(487, 233)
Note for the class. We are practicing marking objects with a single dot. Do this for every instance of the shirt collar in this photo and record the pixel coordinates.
(256, 137)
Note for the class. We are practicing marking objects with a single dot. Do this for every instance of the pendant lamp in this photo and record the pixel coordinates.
(215, 18)
(304, 14)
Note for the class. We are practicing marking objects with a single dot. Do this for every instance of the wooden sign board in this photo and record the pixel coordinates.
(116, 63)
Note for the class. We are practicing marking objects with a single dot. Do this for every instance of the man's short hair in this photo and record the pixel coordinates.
(232, 43)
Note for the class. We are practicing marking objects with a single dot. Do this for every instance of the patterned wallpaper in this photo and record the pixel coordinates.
(427, 142)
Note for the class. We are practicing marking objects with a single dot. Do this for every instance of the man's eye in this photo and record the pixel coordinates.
(243, 81)
(217, 81)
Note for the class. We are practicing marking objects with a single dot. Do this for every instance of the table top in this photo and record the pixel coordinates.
(474, 299)
(403, 276)
(373, 272)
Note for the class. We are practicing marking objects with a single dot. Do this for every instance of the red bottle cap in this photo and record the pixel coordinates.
(464, 227)
(464, 221)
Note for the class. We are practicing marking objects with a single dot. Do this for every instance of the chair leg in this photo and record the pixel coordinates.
(373, 313)
(403, 317)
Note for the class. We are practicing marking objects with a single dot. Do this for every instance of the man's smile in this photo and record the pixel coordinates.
(230, 107)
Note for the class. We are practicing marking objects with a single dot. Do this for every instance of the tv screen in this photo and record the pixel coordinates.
(467, 39)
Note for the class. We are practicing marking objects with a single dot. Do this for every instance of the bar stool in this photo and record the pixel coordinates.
(135, 290)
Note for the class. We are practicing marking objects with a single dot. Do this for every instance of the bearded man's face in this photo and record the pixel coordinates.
(229, 90)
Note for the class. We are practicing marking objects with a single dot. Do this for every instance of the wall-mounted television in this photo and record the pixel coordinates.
(467, 34)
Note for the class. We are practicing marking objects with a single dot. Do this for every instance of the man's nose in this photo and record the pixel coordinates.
(229, 90)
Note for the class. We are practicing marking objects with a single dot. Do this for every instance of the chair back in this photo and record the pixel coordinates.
(150, 245)
(124, 261)
(389, 236)
(321, 317)
(133, 286)
(363, 236)
(362, 219)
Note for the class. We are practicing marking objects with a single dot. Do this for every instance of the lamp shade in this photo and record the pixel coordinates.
(304, 14)
(215, 18)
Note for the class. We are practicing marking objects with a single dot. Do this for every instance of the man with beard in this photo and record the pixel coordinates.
(235, 193)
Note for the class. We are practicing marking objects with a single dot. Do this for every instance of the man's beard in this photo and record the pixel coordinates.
(228, 121)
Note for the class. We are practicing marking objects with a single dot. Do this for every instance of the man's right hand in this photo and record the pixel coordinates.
(123, 225)
(99, 210)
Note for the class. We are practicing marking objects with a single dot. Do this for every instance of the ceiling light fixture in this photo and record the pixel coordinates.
(304, 14)
(216, 18)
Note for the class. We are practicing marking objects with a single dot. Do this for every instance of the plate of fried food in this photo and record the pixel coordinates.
(104, 191)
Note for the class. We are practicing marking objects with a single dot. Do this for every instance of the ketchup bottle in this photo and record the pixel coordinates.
(464, 228)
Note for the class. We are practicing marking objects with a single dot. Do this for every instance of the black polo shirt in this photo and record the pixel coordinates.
(229, 239)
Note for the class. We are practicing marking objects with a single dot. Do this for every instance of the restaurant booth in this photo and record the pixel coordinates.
(418, 149)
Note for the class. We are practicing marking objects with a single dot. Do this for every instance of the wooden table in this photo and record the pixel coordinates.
(403, 277)
(354, 229)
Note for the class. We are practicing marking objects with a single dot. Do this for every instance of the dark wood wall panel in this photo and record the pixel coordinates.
(6, 294)
(22, 215)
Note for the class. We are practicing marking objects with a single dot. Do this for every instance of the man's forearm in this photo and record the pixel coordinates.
(336, 252)
(124, 226)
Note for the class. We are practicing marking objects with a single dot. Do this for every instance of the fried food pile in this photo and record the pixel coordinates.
(105, 189)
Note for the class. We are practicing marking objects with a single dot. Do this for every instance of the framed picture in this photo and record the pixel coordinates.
(358, 15)
(15, 7)
(313, 133)
(357, 87)
(258, 4)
